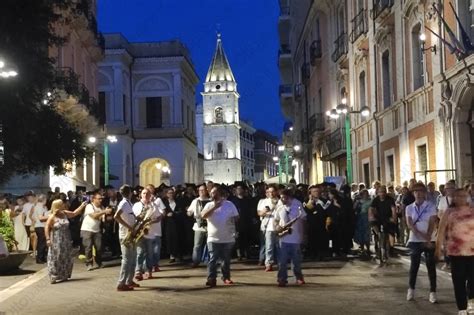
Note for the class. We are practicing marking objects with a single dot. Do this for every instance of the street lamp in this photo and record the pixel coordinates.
(283, 160)
(5, 71)
(344, 109)
(107, 139)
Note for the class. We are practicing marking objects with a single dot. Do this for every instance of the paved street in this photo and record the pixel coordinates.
(352, 287)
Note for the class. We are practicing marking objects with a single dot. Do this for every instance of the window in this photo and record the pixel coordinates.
(220, 148)
(366, 174)
(422, 157)
(219, 115)
(390, 169)
(416, 58)
(362, 91)
(386, 84)
(124, 109)
(154, 111)
(102, 109)
(319, 108)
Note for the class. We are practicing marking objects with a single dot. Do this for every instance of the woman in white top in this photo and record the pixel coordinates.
(18, 218)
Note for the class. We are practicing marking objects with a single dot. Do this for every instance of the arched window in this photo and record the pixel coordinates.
(219, 115)
(386, 80)
(362, 92)
(416, 58)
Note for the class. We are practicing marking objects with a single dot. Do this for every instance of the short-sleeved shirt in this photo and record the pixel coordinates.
(460, 232)
(221, 224)
(444, 203)
(151, 212)
(284, 214)
(39, 210)
(383, 208)
(420, 216)
(125, 209)
(89, 223)
(196, 207)
(267, 221)
(26, 211)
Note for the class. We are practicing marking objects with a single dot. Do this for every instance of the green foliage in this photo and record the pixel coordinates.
(35, 136)
(7, 231)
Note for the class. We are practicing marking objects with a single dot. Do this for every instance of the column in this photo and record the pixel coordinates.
(117, 104)
(176, 112)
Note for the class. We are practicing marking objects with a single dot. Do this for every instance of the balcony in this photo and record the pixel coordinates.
(287, 99)
(359, 25)
(316, 123)
(334, 145)
(340, 47)
(381, 8)
(315, 51)
(305, 73)
(284, 25)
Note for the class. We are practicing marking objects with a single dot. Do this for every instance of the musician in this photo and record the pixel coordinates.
(289, 222)
(126, 219)
(318, 239)
(109, 225)
(222, 217)
(200, 226)
(266, 210)
(90, 230)
(145, 209)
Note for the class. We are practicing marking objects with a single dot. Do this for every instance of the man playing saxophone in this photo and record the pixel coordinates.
(289, 212)
(149, 220)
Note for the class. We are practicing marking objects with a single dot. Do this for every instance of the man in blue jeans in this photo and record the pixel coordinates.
(221, 216)
(290, 219)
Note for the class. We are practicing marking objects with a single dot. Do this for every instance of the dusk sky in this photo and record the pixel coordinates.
(249, 34)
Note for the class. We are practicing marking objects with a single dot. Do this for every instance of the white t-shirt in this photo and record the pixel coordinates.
(285, 214)
(39, 211)
(221, 224)
(194, 209)
(443, 204)
(151, 212)
(89, 223)
(125, 210)
(26, 211)
(267, 221)
(420, 217)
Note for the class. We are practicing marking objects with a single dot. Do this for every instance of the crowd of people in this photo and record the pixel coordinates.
(273, 224)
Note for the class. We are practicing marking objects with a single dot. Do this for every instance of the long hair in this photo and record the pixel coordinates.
(56, 206)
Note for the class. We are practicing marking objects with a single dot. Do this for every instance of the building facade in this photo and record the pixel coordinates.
(266, 148)
(221, 131)
(377, 55)
(247, 147)
(148, 92)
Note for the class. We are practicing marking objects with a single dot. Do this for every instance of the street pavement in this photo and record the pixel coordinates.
(333, 287)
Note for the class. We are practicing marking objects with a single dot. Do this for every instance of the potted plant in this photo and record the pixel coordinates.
(15, 257)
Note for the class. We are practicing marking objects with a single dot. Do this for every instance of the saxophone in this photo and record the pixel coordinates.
(286, 229)
(140, 228)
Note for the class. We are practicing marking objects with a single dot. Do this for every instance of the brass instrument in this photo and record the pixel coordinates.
(140, 228)
(286, 229)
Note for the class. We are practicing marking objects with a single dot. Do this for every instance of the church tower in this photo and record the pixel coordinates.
(221, 134)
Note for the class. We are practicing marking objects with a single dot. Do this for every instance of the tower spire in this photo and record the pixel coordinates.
(219, 70)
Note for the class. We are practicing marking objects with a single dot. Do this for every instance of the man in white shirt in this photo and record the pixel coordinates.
(38, 217)
(266, 210)
(421, 220)
(200, 226)
(30, 202)
(126, 219)
(290, 210)
(90, 230)
(146, 209)
(222, 217)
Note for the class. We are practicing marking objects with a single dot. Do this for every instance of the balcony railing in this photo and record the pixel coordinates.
(380, 6)
(316, 123)
(315, 51)
(305, 73)
(340, 47)
(359, 25)
(335, 145)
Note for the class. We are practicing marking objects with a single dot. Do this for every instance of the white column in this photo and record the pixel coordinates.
(117, 105)
(176, 114)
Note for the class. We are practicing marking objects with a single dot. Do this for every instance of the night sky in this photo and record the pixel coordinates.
(249, 33)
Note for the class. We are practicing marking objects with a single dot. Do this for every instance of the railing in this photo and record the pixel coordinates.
(359, 25)
(305, 73)
(315, 51)
(316, 123)
(285, 11)
(286, 89)
(335, 143)
(380, 6)
(340, 47)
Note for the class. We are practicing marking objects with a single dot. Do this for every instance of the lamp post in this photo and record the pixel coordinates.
(107, 139)
(344, 109)
(284, 158)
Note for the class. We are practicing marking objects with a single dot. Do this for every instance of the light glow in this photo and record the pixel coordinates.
(297, 147)
(92, 139)
(422, 37)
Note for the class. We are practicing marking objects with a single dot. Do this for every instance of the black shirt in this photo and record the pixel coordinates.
(383, 208)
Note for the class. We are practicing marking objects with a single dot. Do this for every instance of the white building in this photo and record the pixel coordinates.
(222, 159)
(247, 145)
(148, 90)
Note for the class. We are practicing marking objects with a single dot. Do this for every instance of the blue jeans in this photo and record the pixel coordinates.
(261, 256)
(292, 252)
(200, 238)
(129, 259)
(145, 255)
(219, 251)
(271, 247)
(156, 251)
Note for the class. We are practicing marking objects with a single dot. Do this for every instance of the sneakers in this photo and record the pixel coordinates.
(156, 269)
(228, 282)
(268, 268)
(139, 276)
(89, 268)
(134, 285)
(411, 295)
(211, 283)
(148, 275)
(300, 281)
(463, 312)
(433, 298)
(124, 287)
(470, 306)
(282, 283)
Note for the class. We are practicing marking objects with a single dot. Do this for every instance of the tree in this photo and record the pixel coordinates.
(36, 135)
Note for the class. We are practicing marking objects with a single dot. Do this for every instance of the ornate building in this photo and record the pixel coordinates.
(221, 136)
